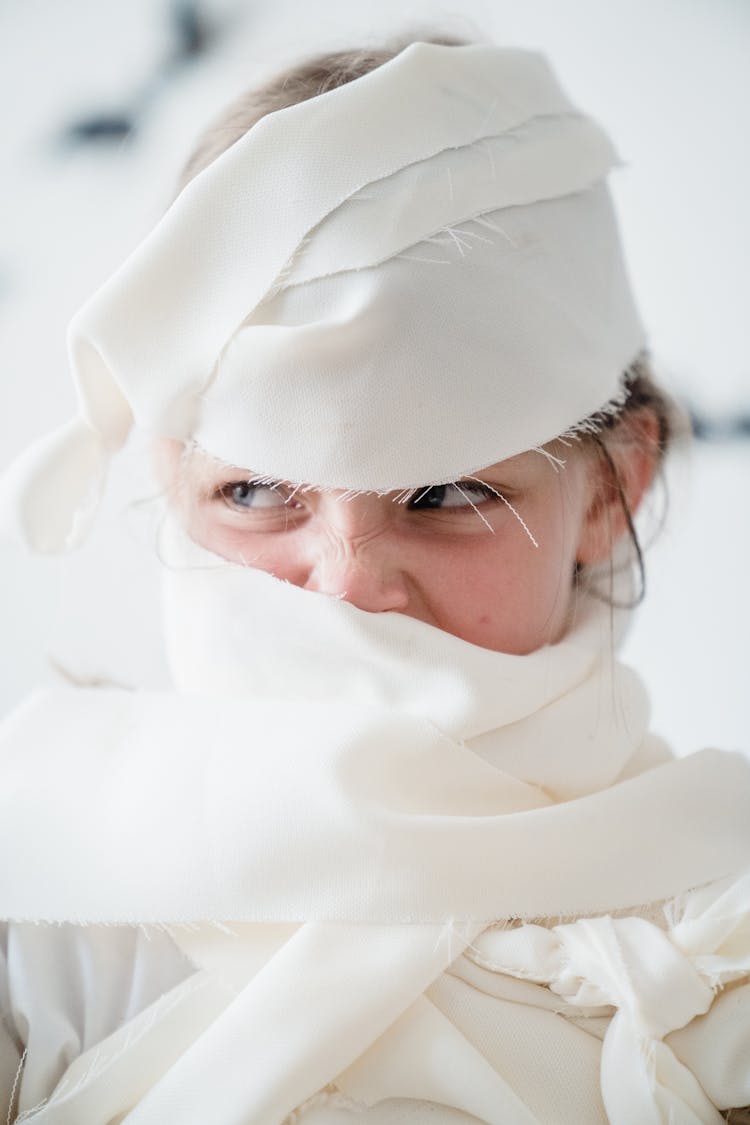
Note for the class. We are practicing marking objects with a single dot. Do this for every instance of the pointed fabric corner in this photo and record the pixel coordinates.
(50, 494)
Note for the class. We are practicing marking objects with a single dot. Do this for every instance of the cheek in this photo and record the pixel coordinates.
(211, 530)
(496, 590)
(502, 593)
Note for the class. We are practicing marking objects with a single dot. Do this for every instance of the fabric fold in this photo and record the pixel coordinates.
(345, 267)
(393, 753)
(657, 980)
(354, 804)
(150, 798)
(50, 494)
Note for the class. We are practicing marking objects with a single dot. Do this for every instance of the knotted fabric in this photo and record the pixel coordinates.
(329, 810)
(657, 980)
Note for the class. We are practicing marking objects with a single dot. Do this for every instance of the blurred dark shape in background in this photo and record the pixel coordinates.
(193, 34)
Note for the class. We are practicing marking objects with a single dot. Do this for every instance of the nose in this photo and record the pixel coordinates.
(364, 582)
(354, 559)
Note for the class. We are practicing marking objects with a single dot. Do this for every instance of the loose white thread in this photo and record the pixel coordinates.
(483, 518)
(431, 261)
(478, 236)
(446, 933)
(460, 246)
(556, 462)
(508, 505)
(14, 1088)
(485, 222)
(486, 118)
(450, 184)
(486, 147)
(330, 1097)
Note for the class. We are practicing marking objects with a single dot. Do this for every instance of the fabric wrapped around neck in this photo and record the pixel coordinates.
(326, 816)
(352, 728)
(390, 285)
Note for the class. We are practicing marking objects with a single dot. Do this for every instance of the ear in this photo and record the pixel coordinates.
(622, 468)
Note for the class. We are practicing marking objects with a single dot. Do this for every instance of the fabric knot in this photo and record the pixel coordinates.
(657, 980)
(631, 964)
(711, 926)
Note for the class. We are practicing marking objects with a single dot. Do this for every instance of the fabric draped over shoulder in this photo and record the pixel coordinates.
(346, 859)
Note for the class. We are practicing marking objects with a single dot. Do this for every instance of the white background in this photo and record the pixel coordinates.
(668, 78)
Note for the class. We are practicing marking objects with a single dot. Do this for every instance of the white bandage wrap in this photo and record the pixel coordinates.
(390, 285)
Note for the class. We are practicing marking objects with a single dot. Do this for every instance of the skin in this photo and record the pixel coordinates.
(460, 558)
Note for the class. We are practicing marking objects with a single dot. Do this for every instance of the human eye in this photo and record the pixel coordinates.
(249, 495)
(457, 495)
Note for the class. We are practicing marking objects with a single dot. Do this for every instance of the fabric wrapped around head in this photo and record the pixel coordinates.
(390, 285)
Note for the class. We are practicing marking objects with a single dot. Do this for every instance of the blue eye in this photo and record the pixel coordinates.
(251, 494)
(461, 494)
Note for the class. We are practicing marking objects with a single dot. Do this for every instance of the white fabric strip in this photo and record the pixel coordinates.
(322, 1000)
(342, 807)
(658, 981)
(453, 355)
(390, 285)
(654, 979)
(342, 754)
(382, 819)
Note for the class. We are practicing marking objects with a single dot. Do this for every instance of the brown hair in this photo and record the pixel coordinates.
(645, 398)
(297, 84)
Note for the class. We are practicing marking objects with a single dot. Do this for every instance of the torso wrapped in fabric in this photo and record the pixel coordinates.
(355, 866)
(310, 877)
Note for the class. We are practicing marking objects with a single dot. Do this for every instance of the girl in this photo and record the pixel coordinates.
(399, 846)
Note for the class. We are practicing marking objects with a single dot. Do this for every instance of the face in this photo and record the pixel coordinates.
(489, 559)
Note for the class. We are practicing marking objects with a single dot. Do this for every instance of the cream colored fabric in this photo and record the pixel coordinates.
(64, 989)
(657, 981)
(388, 286)
(72, 985)
(328, 817)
